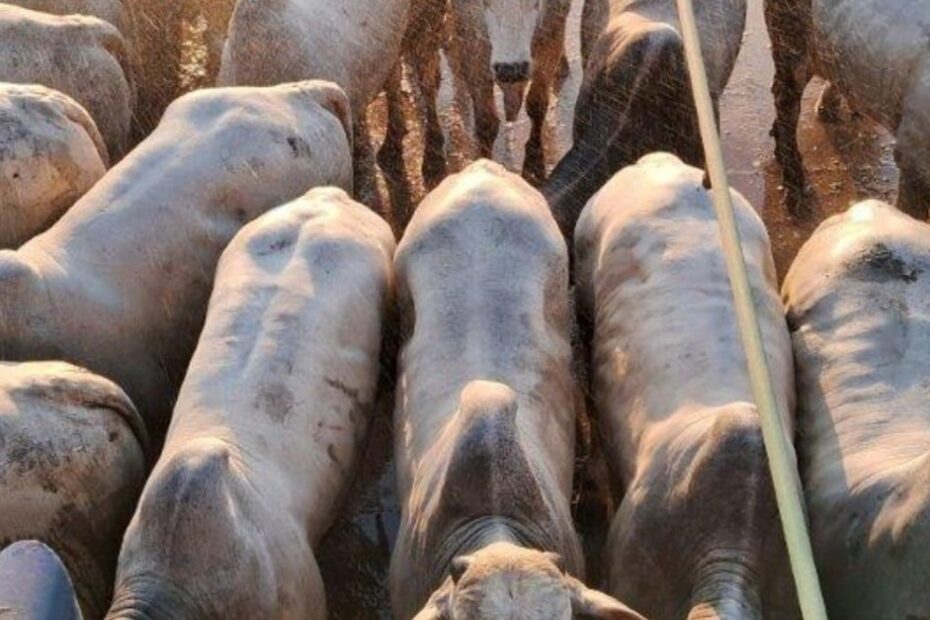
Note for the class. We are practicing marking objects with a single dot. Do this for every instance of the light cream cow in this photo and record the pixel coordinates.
(120, 284)
(84, 57)
(485, 418)
(519, 46)
(697, 533)
(270, 419)
(859, 312)
(876, 53)
(72, 464)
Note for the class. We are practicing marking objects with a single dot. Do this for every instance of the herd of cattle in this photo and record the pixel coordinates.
(193, 337)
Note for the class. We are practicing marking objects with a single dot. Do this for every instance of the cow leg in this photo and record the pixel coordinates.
(434, 158)
(913, 190)
(548, 54)
(487, 124)
(480, 85)
(473, 62)
(390, 155)
(365, 182)
(565, 68)
(217, 14)
(424, 40)
(537, 104)
(912, 153)
(787, 20)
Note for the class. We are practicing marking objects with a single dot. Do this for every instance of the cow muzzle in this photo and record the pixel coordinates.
(511, 72)
(512, 77)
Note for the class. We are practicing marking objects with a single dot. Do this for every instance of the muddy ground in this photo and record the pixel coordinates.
(847, 161)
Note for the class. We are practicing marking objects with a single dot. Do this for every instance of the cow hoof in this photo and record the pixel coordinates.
(828, 111)
(534, 169)
(391, 160)
(828, 114)
(799, 202)
(434, 171)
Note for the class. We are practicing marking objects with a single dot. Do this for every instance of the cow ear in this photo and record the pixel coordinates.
(335, 100)
(437, 608)
(588, 603)
(556, 559)
(458, 567)
(432, 611)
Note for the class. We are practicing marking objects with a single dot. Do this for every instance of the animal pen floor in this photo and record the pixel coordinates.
(846, 162)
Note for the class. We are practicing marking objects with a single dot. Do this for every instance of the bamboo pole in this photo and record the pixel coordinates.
(781, 457)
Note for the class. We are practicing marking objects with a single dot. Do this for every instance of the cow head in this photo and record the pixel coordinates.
(511, 26)
(503, 580)
(36, 584)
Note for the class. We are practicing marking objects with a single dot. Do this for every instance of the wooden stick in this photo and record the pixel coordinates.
(778, 447)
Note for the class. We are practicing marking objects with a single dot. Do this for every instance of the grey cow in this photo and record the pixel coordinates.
(858, 302)
(876, 53)
(697, 534)
(485, 417)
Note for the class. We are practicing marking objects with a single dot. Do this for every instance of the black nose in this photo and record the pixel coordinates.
(511, 72)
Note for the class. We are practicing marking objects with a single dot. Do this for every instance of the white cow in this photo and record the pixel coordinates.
(858, 301)
(360, 45)
(354, 43)
(34, 583)
(83, 57)
(697, 533)
(120, 283)
(111, 11)
(485, 418)
(270, 419)
(517, 44)
(876, 53)
(50, 155)
(72, 463)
